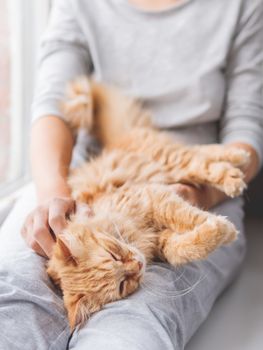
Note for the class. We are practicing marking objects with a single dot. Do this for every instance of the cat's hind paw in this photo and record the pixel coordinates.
(227, 230)
(197, 244)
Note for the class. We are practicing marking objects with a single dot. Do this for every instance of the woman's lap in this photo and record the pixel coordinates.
(32, 315)
(163, 314)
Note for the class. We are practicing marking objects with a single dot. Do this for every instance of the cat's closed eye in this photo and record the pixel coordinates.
(122, 285)
(114, 256)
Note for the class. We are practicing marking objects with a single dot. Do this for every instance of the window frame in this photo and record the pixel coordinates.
(27, 20)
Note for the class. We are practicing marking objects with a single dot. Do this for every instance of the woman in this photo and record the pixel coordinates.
(197, 66)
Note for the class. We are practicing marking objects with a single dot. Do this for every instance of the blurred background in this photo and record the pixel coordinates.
(21, 26)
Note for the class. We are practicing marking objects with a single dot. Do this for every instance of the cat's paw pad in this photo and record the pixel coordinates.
(78, 106)
(233, 184)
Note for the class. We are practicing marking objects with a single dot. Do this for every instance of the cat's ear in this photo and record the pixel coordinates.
(79, 310)
(69, 247)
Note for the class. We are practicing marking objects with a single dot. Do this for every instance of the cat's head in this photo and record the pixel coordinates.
(93, 269)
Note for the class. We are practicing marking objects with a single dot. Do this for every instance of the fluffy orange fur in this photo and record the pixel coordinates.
(136, 216)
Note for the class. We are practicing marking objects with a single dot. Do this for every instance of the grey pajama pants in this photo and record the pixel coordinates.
(162, 315)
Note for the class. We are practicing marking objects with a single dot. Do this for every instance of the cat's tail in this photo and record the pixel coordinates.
(77, 108)
(102, 110)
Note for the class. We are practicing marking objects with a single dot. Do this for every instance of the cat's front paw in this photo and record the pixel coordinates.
(226, 177)
(78, 106)
(237, 157)
(233, 183)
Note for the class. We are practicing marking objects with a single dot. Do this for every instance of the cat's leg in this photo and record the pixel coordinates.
(195, 244)
(223, 153)
(186, 232)
(218, 174)
(213, 165)
(217, 165)
(160, 147)
(186, 165)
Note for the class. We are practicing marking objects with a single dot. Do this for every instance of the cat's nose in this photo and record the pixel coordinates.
(134, 267)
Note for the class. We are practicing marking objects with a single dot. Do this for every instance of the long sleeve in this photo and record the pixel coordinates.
(64, 55)
(242, 120)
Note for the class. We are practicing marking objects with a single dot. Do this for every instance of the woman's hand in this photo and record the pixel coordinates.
(203, 197)
(47, 221)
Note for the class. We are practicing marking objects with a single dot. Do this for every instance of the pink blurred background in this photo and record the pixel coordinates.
(4, 91)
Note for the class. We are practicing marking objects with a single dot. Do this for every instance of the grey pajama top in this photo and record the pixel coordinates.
(197, 65)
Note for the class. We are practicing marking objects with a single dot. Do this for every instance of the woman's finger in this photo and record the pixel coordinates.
(27, 234)
(58, 211)
(41, 233)
(37, 249)
(27, 227)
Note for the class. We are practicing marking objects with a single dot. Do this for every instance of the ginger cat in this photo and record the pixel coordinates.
(136, 216)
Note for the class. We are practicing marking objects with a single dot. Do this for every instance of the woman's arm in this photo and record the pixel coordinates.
(64, 56)
(241, 124)
(242, 118)
(51, 150)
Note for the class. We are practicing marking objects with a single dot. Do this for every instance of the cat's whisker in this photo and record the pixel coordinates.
(176, 293)
(118, 232)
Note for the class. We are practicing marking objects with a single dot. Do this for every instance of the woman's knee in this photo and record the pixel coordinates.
(32, 312)
(149, 319)
(123, 325)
